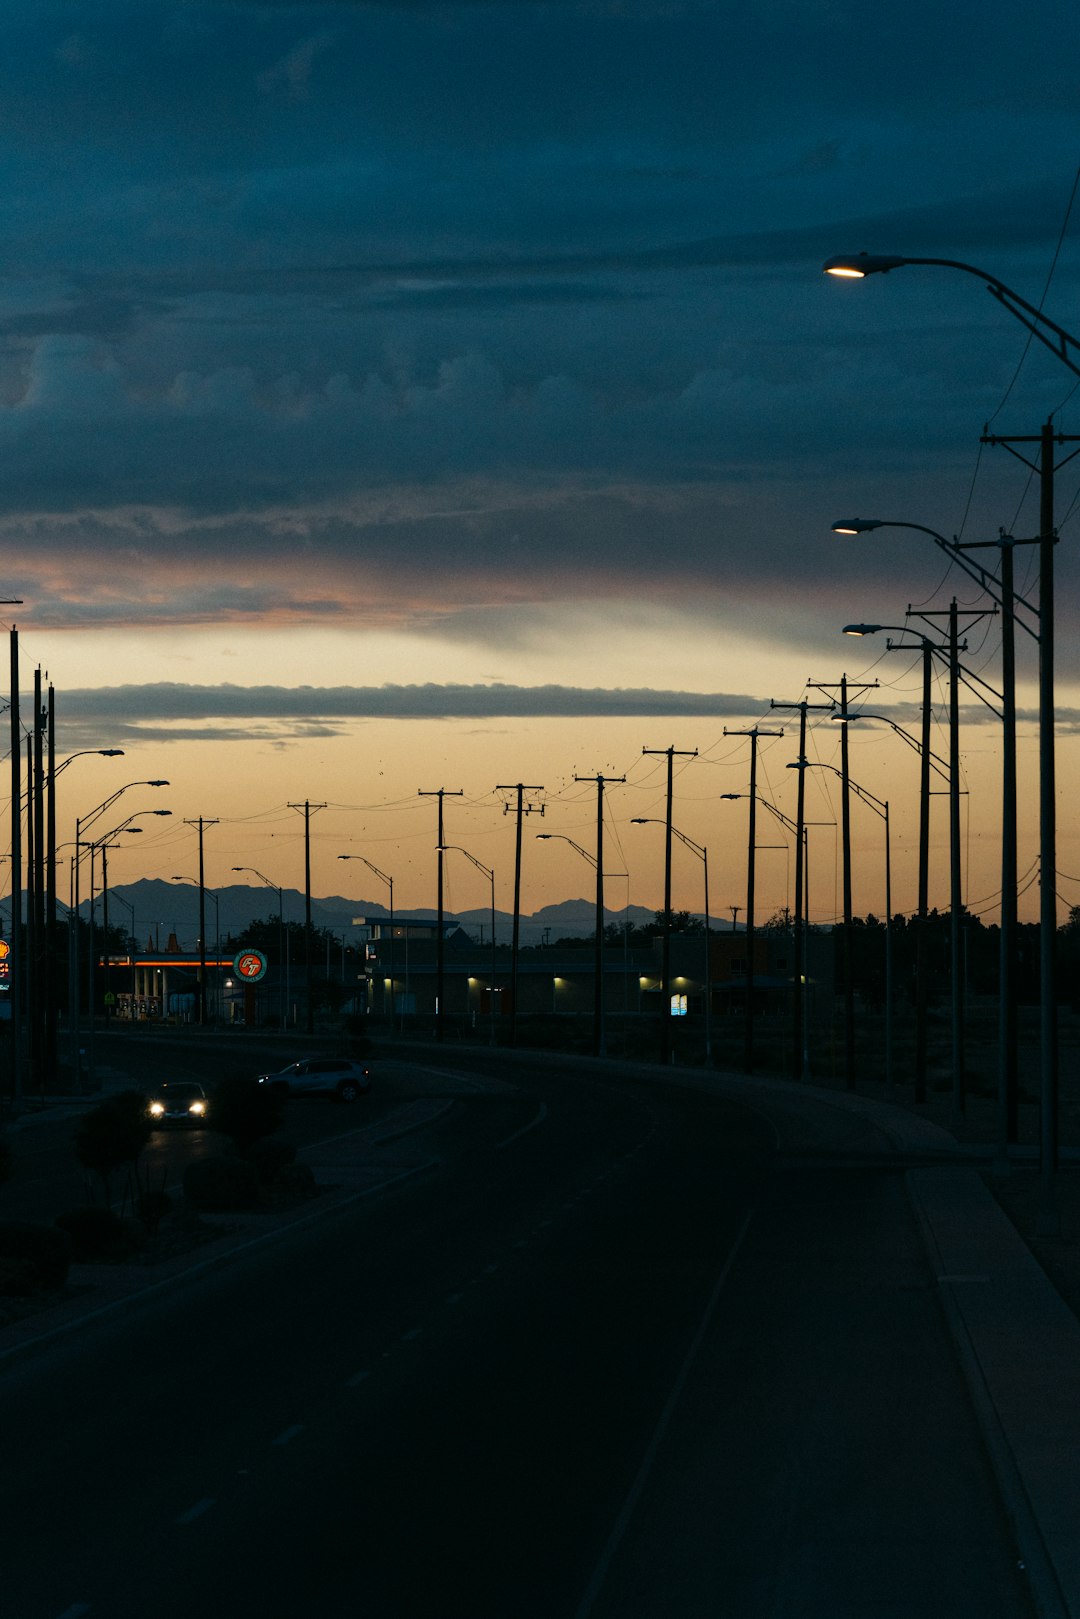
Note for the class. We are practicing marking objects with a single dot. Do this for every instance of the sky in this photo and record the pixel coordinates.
(404, 396)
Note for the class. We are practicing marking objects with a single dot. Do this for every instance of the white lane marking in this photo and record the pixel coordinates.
(76, 1610)
(489, 1270)
(541, 1115)
(637, 1489)
(288, 1434)
(412, 1335)
(196, 1511)
(357, 1377)
(454, 1298)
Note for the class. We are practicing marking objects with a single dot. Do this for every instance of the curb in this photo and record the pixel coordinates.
(1018, 1347)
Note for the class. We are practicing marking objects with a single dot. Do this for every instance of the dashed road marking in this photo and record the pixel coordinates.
(357, 1377)
(454, 1298)
(412, 1335)
(76, 1610)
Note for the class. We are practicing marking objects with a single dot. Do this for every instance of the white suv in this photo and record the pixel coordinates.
(321, 1076)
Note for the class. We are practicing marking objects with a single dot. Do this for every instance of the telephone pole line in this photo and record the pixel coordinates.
(665, 966)
(523, 809)
(440, 955)
(305, 808)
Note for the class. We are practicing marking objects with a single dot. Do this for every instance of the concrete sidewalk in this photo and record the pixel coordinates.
(1017, 1342)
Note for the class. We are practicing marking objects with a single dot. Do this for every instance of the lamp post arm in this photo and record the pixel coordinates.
(1049, 333)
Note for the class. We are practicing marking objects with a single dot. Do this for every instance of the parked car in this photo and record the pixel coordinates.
(178, 1101)
(321, 1076)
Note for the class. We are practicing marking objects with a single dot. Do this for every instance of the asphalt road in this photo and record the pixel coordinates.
(609, 1357)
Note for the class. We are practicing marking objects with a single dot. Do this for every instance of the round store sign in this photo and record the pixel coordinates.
(250, 965)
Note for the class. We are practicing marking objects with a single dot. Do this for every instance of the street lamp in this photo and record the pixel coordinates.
(951, 649)
(217, 927)
(283, 979)
(442, 848)
(857, 266)
(703, 855)
(802, 834)
(880, 807)
(599, 1043)
(1002, 591)
(390, 882)
(1067, 349)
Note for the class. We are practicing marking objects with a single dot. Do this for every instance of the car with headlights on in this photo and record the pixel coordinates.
(178, 1101)
(321, 1076)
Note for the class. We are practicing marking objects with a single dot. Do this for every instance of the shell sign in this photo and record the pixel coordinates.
(250, 965)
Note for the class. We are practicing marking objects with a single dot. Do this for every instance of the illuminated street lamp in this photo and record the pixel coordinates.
(857, 266)
(703, 855)
(1067, 349)
(489, 873)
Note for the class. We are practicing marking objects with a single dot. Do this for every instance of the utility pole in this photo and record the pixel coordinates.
(523, 809)
(306, 809)
(599, 1039)
(665, 969)
(440, 954)
(754, 732)
(845, 822)
(799, 1062)
(200, 1013)
(50, 893)
(956, 897)
(1045, 466)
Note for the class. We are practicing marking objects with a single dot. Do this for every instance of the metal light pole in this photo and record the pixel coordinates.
(282, 996)
(489, 873)
(599, 1041)
(703, 855)
(390, 883)
(1067, 349)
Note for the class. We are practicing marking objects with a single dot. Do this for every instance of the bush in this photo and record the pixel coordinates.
(270, 1158)
(33, 1258)
(216, 1185)
(151, 1208)
(246, 1111)
(112, 1134)
(95, 1233)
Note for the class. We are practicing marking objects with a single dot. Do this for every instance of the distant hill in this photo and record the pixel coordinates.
(158, 908)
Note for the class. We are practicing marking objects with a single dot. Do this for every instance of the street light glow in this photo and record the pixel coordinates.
(856, 266)
(857, 525)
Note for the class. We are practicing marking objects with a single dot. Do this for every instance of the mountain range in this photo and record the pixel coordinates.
(152, 909)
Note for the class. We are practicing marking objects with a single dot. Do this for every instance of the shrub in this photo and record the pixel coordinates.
(270, 1158)
(152, 1207)
(95, 1233)
(215, 1185)
(32, 1257)
(112, 1134)
(246, 1111)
